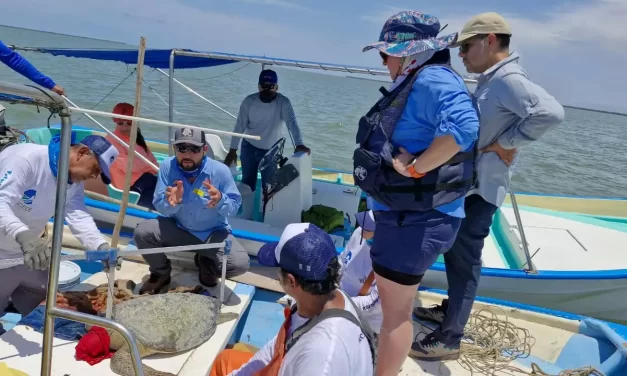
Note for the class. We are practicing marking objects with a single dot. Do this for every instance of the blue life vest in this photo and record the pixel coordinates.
(372, 160)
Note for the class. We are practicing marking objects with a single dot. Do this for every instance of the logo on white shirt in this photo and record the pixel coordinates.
(27, 199)
(348, 257)
(29, 196)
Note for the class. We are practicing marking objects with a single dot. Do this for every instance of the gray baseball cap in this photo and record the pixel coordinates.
(189, 136)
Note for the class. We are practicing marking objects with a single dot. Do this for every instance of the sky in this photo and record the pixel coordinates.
(575, 49)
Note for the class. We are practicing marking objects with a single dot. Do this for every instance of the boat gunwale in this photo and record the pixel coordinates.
(438, 266)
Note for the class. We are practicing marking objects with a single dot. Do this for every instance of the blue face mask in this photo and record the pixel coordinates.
(370, 241)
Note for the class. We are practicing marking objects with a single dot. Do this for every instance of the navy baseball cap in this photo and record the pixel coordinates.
(105, 152)
(366, 220)
(304, 250)
(268, 76)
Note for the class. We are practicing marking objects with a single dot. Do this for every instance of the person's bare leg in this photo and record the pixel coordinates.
(397, 331)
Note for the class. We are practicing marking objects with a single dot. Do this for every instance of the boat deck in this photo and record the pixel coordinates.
(570, 242)
(556, 344)
(20, 347)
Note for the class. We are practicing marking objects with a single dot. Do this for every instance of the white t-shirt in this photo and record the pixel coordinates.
(356, 266)
(27, 200)
(334, 347)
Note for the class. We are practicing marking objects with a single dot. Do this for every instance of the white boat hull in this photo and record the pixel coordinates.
(601, 298)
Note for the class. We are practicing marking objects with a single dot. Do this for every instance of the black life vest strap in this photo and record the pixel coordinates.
(460, 157)
(418, 187)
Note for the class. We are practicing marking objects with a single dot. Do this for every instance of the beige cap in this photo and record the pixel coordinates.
(484, 23)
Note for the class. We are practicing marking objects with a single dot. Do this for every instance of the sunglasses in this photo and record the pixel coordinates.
(268, 86)
(383, 56)
(465, 47)
(184, 148)
(124, 122)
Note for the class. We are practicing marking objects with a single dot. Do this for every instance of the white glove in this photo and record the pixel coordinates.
(36, 251)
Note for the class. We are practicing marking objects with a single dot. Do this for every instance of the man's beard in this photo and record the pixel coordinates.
(189, 165)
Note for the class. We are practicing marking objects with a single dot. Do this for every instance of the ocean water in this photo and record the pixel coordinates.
(583, 156)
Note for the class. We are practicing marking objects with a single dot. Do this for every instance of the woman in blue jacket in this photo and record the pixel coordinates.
(416, 160)
(16, 62)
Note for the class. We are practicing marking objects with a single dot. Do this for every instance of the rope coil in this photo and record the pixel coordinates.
(493, 343)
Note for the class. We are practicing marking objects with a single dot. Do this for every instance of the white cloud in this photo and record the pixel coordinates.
(279, 3)
(381, 16)
(602, 22)
(174, 24)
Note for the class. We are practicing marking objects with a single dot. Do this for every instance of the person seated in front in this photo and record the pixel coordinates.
(357, 276)
(309, 272)
(195, 194)
(143, 176)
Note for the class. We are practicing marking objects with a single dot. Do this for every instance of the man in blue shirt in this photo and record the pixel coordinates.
(194, 194)
(16, 62)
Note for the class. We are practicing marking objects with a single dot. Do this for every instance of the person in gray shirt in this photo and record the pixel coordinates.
(263, 114)
(513, 112)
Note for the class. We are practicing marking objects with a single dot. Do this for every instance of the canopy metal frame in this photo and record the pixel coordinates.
(264, 61)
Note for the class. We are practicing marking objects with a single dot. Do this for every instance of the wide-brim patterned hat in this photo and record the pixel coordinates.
(409, 32)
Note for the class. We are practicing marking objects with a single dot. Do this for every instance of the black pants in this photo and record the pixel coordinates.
(145, 185)
(163, 232)
(463, 267)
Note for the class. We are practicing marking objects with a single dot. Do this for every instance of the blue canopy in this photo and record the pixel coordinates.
(161, 59)
(153, 58)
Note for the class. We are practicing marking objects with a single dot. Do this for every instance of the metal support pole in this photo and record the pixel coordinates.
(57, 240)
(530, 266)
(171, 103)
(94, 320)
(227, 251)
(189, 89)
(160, 122)
(137, 154)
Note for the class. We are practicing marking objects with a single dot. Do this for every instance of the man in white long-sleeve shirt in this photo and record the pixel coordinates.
(263, 114)
(28, 180)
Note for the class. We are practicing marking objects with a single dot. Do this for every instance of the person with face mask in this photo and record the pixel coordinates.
(195, 194)
(514, 112)
(263, 114)
(28, 187)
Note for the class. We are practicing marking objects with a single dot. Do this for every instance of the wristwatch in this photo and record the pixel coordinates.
(412, 170)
